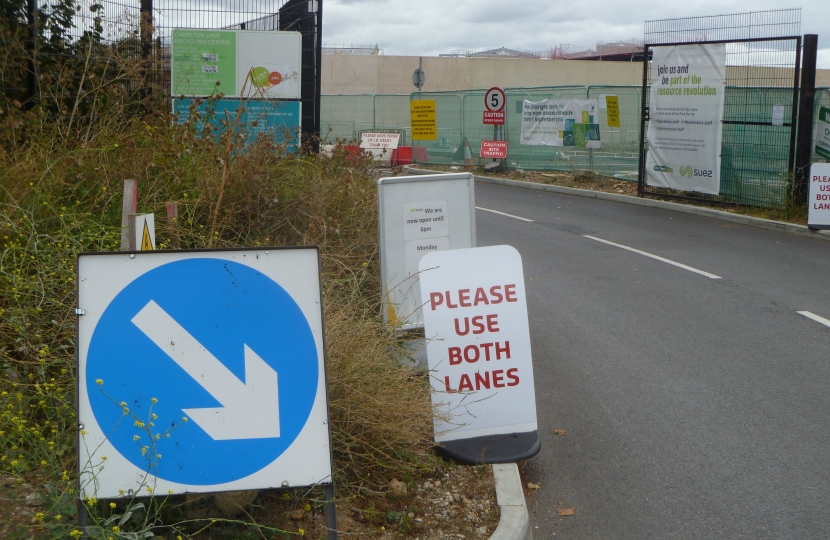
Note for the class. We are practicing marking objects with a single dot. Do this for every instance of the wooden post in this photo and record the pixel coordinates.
(173, 225)
(128, 207)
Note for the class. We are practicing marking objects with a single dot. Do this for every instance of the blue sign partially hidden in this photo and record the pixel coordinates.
(213, 341)
(259, 117)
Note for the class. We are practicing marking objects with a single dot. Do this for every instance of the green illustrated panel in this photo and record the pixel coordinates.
(204, 62)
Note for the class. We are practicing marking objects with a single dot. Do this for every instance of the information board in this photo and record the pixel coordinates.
(274, 118)
(237, 63)
(685, 126)
(423, 119)
(419, 215)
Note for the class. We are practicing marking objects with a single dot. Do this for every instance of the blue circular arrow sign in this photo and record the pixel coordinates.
(212, 341)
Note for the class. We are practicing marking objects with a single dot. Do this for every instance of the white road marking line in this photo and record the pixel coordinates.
(815, 317)
(503, 214)
(656, 257)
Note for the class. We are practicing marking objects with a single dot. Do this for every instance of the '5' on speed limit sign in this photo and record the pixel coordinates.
(494, 99)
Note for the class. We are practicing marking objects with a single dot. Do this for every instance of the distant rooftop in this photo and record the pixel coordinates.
(502, 52)
(631, 50)
(351, 49)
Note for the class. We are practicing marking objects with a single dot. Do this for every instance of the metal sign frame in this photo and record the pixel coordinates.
(205, 254)
(392, 249)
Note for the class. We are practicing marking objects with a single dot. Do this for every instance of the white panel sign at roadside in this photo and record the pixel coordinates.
(419, 215)
(685, 127)
(480, 360)
(818, 216)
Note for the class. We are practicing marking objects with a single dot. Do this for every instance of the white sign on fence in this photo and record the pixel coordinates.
(818, 216)
(478, 342)
(686, 117)
(419, 215)
(561, 122)
(379, 141)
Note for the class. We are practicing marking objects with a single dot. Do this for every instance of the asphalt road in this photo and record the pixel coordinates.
(694, 407)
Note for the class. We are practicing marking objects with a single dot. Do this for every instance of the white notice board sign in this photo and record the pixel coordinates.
(419, 215)
(818, 215)
(478, 343)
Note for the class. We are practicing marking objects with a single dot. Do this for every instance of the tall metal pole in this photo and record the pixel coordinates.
(806, 107)
(32, 89)
(318, 74)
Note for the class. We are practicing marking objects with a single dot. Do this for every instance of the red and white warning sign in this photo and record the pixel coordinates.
(478, 342)
(495, 118)
(494, 149)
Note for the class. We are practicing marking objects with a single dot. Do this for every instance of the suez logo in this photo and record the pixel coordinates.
(479, 324)
(688, 172)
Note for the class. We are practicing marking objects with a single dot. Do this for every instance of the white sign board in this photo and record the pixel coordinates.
(561, 122)
(201, 371)
(238, 63)
(478, 342)
(379, 140)
(818, 215)
(419, 215)
(685, 127)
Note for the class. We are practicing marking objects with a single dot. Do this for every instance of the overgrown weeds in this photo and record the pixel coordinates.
(61, 175)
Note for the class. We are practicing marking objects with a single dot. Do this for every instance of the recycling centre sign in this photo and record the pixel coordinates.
(201, 371)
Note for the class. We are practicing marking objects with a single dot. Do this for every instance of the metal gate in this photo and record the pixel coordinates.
(762, 71)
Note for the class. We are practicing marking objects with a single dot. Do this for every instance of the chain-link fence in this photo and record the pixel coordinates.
(459, 116)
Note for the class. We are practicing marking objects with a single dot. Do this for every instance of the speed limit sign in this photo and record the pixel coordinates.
(494, 99)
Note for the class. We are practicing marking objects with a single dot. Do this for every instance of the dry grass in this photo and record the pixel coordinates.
(60, 194)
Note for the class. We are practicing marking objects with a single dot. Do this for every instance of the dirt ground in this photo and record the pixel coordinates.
(455, 502)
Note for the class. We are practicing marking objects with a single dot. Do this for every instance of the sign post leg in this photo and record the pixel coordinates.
(331, 512)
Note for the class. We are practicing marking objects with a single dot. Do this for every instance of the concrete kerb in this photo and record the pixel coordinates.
(514, 523)
(628, 199)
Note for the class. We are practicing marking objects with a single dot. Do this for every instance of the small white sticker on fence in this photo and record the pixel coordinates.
(777, 115)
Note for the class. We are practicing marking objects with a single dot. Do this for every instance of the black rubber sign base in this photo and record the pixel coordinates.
(507, 448)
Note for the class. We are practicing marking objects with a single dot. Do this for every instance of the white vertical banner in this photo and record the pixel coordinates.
(685, 126)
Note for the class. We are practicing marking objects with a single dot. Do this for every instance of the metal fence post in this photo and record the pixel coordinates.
(32, 89)
(806, 105)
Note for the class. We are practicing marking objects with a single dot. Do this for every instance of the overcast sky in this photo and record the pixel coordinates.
(432, 27)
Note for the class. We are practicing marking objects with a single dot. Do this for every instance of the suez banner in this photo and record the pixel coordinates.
(561, 122)
(818, 216)
(478, 345)
(823, 133)
(685, 125)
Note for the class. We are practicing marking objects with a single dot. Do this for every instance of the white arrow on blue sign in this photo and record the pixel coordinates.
(210, 367)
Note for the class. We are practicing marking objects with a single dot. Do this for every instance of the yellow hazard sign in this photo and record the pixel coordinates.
(146, 240)
(613, 106)
(423, 120)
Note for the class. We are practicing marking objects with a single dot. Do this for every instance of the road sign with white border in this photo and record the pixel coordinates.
(494, 99)
(201, 371)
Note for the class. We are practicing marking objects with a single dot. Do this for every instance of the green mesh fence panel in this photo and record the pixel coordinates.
(341, 117)
(754, 158)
